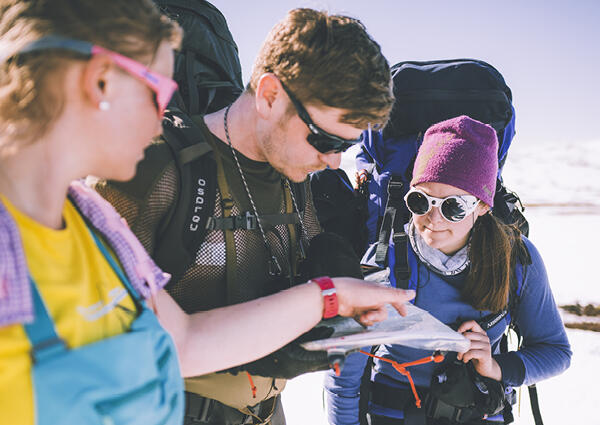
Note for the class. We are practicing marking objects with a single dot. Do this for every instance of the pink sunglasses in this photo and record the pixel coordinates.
(163, 87)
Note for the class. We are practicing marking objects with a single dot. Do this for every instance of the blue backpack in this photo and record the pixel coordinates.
(427, 93)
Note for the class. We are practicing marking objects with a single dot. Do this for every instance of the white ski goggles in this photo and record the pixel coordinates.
(454, 208)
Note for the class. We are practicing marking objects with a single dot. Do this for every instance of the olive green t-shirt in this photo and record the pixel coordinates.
(265, 182)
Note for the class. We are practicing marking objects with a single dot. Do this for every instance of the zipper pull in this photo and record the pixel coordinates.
(274, 267)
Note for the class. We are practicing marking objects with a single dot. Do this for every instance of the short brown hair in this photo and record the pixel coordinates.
(328, 60)
(30, 86)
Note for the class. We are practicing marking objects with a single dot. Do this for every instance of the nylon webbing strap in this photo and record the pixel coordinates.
(248, 221)
(394, 203)
(401, 266)
(194, 101)
(182, 230)
(384, 235)
(230, 254)
(45, 342)
(535, 405)
(191, 153)
(292, 229)
(490, 320)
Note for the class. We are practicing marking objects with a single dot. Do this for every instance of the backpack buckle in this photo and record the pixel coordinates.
(251, 221)
(211, 223)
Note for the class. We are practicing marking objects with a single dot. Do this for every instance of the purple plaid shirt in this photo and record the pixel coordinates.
(15, 291)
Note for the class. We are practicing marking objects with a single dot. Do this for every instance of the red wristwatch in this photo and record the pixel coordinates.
(330, 301)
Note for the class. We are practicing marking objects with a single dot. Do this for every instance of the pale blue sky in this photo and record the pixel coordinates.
(548, 51)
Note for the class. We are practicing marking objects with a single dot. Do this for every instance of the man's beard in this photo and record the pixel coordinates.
(273, 145)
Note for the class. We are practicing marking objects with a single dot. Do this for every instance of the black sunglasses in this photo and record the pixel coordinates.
(321, 140)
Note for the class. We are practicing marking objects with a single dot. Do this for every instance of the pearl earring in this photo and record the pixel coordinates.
(104, 105)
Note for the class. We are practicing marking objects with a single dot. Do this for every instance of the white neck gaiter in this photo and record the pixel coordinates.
(436, 259)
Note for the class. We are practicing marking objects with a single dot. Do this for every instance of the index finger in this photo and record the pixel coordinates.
(470, 325)
(399, 297)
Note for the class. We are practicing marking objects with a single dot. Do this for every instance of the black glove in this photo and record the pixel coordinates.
(459, 392)
(291, 360)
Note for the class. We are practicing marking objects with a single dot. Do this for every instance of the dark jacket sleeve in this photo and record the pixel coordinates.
(546, 351)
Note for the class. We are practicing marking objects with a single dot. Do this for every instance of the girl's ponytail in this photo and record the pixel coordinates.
(492, 252)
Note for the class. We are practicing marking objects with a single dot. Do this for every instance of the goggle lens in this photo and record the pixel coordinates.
(453, 208)
(417, 203)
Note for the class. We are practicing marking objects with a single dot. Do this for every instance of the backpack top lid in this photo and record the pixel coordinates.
(207, 67)
(430, 92)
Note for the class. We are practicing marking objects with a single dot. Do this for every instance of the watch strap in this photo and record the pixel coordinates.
(330, 300)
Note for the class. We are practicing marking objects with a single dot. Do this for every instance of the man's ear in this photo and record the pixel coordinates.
(97, 75)
(268, 91)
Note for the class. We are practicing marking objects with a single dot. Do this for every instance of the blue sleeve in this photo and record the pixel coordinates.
(372, 150)
(545, 351)
(342, 393)
(363, 161)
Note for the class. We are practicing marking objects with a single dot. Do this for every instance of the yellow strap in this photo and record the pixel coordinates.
(230, 254)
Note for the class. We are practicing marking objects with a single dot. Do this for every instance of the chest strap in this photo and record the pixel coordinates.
(248, 221)
(436, 357)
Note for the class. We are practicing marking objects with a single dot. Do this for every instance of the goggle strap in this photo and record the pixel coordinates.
(58, 42)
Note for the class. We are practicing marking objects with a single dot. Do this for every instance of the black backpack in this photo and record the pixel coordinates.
(209, 75)
(433, 91)
(207, 66)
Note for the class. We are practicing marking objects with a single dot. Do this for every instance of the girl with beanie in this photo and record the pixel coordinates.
(465, 262)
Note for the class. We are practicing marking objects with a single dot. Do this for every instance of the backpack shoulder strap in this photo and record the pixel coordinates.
(523, 260)
(392, 219)
(184, 229)
(393, 225)
(299, 190)
(365, 389)
(230, 251)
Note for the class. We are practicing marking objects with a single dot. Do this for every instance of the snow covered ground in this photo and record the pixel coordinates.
(560, 187)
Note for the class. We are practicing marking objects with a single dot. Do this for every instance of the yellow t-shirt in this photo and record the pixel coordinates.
(82, 293)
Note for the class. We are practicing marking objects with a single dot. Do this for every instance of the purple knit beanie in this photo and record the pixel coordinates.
(460, 152)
